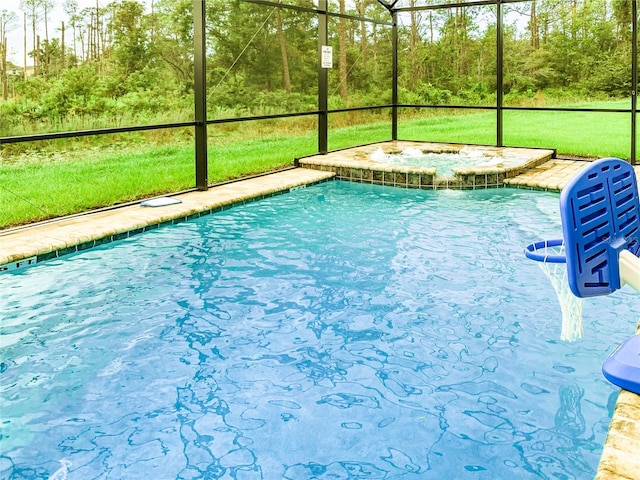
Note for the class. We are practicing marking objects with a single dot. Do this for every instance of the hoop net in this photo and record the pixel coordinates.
(550, 256)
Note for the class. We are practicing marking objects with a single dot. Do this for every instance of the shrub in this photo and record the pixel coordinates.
(433, 95)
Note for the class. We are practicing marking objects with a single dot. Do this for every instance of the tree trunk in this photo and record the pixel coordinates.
(342, 45)
(24, 50)
(37, 55)
(153, 22)
(3, 67)
(431, 27)
(95, 42)
(283, 52)
(535, 29)
(574, 12)
(92, 37)
(413, 46)
(429, 67)
(35, 52)
(83, 50)
(363, 31)
(46, 21)
(456, 52)
(47, 52)
(62, 52)
(75, 40)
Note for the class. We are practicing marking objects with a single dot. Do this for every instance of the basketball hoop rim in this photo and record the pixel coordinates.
(533, 251)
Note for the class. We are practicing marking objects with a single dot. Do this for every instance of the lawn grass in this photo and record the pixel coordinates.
(473, 128)
(246, 157)
(585, 134)
(31, 192)
(35, 189)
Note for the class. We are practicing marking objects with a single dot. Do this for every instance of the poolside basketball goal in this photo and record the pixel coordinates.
(552, 260)
(598, 254)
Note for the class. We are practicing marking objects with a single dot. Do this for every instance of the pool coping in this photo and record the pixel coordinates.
(619, 460)
(27, 246)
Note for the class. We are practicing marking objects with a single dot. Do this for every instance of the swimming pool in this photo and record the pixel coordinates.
(340, 331)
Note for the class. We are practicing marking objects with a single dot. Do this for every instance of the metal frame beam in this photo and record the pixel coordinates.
(634, 81)
(200, 93)
(271, 3)
(394, 74)
(323, 79)
(499, 74)
(454, 5)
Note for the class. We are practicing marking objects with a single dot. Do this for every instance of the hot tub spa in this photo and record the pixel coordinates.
(429, 165)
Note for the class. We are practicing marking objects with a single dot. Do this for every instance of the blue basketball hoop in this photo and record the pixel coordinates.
(601, 224)
(539, 251)
(600, 214)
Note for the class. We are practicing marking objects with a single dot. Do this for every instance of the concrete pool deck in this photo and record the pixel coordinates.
(24, 246)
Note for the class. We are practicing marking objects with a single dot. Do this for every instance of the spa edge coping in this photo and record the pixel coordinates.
(359, 158)
(619, 460)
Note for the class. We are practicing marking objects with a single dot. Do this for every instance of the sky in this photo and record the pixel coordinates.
(15, 38)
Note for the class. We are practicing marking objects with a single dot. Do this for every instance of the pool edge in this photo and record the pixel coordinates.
(31, 245)
(620, 459)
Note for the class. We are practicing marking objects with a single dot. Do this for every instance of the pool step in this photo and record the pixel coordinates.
(552, 175)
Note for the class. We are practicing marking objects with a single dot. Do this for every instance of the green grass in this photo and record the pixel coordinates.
(242, 158)
(477, 128)
(571, 133)
(584, 134)
(34, 188)
(31, 191)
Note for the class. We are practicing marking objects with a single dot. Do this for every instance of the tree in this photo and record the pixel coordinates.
(173, 41)
(534, 27)
(413, 45)
(71, 9)
(283, 50)
(8, 21)
(130, 49)
(245, 46)
(47, 6)
(342, 46)
(361, 6)
(33, 12)
(622, 14)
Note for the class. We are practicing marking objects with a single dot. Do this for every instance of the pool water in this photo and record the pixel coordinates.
(342, 331)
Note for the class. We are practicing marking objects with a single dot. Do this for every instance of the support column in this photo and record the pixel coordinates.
(200, 93)
(394, 86)
(634, 80)
(499, 73)
(323, 79)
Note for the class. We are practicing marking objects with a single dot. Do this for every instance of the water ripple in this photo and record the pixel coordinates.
(321, 334)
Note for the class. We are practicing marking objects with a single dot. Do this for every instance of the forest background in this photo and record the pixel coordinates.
(130, 62)
(126, 63)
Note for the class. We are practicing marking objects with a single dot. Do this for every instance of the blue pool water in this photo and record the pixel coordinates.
(342, 331)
